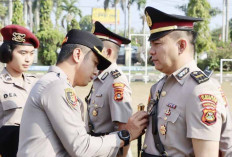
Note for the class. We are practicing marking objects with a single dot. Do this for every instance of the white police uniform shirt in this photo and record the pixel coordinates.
(188, 110)
(13, 97)
(52, 123)
(110, 100)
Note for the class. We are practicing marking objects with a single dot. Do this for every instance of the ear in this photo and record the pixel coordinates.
(76, 54)
(182, 44)
(109, 52)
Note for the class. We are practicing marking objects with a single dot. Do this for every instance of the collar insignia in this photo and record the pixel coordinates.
(104, 76)
(182, 73)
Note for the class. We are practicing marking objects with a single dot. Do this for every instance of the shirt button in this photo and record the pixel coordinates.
(145, 146)
(95, 105)
(163, 93)
(165, 118)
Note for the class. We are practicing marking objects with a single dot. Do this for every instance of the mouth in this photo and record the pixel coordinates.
(25, 65)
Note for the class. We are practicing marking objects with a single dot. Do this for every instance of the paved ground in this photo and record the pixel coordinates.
(140, 92)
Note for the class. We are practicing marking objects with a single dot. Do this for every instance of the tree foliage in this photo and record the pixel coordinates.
(17, 17)
(71, 11)
(86, 23)
(49, 38)
(3, 10)
(201, 9)
(74, 25)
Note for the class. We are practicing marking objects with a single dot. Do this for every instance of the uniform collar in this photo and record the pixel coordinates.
(60, 73)
(104, 74)
(180, 74)
(6, 77)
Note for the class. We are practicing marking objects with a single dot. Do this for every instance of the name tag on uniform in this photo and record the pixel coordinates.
(98, 95)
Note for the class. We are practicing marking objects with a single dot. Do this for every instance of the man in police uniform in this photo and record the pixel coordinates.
(110, 96)
(52, 123)
(188, 113)
(17, 52)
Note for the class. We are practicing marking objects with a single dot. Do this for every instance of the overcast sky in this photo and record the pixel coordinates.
(168, 6)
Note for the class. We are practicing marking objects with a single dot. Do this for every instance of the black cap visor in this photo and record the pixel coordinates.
(103, 62)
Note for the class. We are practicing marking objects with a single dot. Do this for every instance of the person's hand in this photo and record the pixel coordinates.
(136, 124)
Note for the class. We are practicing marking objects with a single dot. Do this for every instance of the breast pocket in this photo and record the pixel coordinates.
(168, 119)
(97, 107)
(10, 104)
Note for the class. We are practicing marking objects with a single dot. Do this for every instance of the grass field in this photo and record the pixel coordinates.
(140, 93)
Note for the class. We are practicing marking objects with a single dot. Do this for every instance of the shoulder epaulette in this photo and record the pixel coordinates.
(115, 73)
(199, 77)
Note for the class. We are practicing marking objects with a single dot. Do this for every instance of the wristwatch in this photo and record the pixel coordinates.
(125, 136)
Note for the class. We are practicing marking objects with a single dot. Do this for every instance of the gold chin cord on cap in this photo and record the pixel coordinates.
(163, 29)
(98, 51)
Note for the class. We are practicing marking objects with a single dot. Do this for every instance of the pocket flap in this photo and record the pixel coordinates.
(10, 104)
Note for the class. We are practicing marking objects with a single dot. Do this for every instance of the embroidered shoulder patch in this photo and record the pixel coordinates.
(71, 97)
(118, 91)
(199, 77)
(209, 116)
(115, 74)
(208, 97)
(182, 73)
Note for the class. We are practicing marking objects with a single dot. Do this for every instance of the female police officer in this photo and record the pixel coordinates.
(17, 51)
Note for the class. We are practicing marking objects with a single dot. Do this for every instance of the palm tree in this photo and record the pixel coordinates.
(71, 11)
(10, 10)
(35, 10)
(140, 3)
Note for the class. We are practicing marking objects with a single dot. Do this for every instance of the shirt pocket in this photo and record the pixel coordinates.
(11, 104)
(169, 120)
(96, 107)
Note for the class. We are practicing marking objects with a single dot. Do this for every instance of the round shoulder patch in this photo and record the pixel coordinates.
(71, 97)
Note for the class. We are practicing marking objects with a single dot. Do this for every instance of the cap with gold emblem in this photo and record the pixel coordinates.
(161, 24)
(87, 39)
(19, 35)
(104, 34)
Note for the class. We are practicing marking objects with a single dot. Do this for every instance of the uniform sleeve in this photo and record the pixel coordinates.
(120, 101)
(205, 113)
(65, 117)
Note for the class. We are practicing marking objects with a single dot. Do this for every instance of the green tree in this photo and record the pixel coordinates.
(17, 17)
(201, 9)
(58, 10)
(86, 23)
(3, 10)
(49, 38)
(71, 11)
(74, 25)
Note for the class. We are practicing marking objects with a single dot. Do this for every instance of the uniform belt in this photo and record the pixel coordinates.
(98, 134)
(144, 154)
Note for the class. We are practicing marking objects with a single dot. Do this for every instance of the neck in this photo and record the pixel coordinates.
(68, 70)
(14, 73)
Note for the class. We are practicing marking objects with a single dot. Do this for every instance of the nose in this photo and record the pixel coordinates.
(95, 72)
(27, 58)
(152, 51)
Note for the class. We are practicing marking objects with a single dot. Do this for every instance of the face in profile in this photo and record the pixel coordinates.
(164, 53)
(22, 58)
(87, 69)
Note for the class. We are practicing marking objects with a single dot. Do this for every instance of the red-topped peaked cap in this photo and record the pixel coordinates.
(161, 23)
(19, 35)
(104, 34)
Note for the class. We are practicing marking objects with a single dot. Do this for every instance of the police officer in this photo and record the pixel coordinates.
(52, 123)
(188, 113)
(17, 52)
(109, 101)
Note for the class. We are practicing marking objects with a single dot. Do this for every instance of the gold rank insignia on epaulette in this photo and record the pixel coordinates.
(199, 77)
(115, 74)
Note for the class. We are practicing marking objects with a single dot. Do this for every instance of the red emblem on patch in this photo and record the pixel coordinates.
(118, 91)
(209, 116)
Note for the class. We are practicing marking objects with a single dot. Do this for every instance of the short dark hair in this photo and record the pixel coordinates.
(6, 51)
(192, 36)
(67, 50)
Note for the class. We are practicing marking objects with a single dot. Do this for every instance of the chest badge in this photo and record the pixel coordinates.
(163, 129)
(94, 113)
